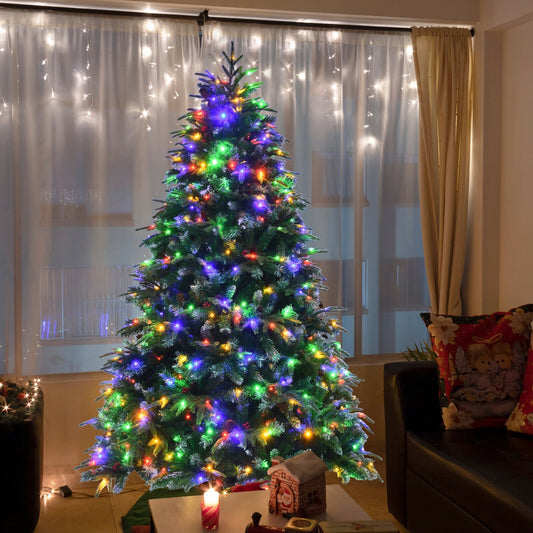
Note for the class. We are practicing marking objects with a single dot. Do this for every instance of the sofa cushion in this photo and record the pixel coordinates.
(521, 419)
(488, 473)
(481, 362)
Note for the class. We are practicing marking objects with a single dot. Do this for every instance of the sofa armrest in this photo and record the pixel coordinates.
(411, 394)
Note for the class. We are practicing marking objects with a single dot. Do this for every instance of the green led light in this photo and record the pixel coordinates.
(224, 185)
(223, 148)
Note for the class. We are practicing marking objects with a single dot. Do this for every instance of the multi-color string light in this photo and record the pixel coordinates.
(19, 399)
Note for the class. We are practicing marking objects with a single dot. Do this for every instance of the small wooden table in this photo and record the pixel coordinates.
(182, 515)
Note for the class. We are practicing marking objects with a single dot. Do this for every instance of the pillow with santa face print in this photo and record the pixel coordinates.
(521, 419)
(481, 364)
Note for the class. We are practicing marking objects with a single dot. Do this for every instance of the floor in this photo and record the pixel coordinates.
(83, 513)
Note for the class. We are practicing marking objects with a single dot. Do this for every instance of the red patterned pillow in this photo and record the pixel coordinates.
(521, 419)
(481, 362)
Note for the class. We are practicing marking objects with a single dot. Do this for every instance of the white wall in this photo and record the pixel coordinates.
(516, 248)
(371, 11)
(500, 247)
(69, 401)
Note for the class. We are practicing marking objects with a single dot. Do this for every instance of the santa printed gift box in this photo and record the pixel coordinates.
(298, 485)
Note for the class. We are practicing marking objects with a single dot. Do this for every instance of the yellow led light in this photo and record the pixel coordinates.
(248, 470)
(102, 485)
(160, 328)
(268, 290)
(163, 401)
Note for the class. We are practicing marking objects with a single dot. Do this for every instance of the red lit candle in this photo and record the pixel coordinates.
(210, 509)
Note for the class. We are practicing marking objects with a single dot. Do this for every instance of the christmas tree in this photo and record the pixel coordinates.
(234, 359)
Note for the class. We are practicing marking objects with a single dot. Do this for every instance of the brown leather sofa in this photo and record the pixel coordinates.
(442, 481)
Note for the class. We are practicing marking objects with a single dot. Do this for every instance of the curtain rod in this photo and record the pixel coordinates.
(204, 17)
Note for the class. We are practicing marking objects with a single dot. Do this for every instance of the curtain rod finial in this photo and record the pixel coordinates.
(203, 17)
(201, 20)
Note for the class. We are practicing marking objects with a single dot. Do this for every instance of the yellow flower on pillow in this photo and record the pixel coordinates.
(442, 329)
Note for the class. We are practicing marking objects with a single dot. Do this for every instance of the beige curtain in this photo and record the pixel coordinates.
(444, 72)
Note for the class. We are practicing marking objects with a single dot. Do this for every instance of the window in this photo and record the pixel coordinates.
(87, 104)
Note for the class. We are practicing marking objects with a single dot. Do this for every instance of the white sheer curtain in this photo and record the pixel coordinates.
(87, 106)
